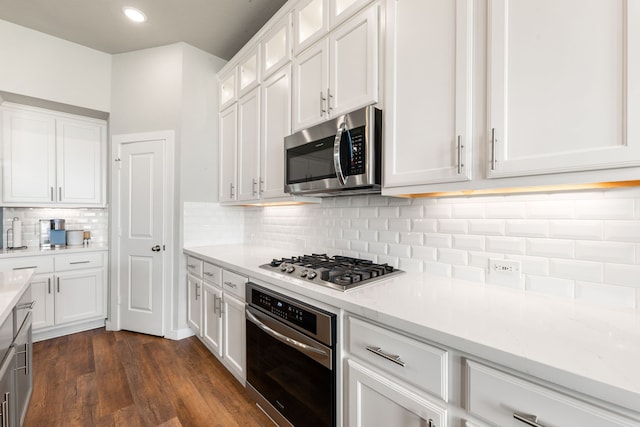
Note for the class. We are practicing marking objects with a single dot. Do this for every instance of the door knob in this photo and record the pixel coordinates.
(156, 248)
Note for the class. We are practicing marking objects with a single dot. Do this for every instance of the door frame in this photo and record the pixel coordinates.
(168, 136)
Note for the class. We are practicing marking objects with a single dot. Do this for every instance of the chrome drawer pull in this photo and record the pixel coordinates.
(391, 357)
(25, 306)
(232, 285)
(206, 273)
(530, 420)
(79, 262)
(25, 268)
(191, 265)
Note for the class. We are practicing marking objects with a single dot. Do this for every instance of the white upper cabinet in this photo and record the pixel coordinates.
(340, 10)
(228, 88)
(428, 92)
(249, 146)
(228, 153)
(52, 158)
(339, 73)
(564, 86)
(276, 124)
(249, 72)
(311, 23)
(276, 47)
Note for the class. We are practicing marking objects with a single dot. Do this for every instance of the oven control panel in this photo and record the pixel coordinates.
(289, 312)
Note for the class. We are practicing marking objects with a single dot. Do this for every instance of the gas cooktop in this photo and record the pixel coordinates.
(337, 272)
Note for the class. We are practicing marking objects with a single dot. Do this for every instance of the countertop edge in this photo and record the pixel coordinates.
(14, 295)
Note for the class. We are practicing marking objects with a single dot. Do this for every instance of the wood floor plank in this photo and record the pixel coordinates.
(112, 379)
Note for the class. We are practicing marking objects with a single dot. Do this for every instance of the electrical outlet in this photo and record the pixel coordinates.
(504, 266)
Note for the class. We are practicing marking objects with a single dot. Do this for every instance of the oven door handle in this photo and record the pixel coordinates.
(336, 154)
(283, 338)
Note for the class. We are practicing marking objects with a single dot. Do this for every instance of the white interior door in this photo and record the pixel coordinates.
(141, 235)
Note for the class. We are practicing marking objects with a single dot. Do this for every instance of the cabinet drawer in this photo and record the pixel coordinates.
(234, 283)
(194, 266)
(425, 366)
(212, 274)
(42, 264)
(496, 396)
(79, 261)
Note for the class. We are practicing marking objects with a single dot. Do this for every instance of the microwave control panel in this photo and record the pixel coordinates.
(358, 155)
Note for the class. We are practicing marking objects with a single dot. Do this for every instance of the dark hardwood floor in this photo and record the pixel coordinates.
(102, 378)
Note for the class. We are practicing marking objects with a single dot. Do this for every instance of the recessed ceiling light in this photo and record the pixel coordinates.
(134, 14)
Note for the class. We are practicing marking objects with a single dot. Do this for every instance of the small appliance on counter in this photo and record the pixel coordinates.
(75, 237)
(16, 235)
(52, 233)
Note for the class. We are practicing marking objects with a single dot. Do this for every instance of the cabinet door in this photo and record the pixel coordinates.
(194, 303)
(234, 334)
(276, 48)
(428, 122)
(228, 147)
(249, 145)
(42, 291)
(276, 122)
(29, 150)
(376, 400)
(310, 84)
(79, 161)
(564, 86)
(212, 318)
(79, 296)
(340, 10)
(7, 390)
(249, 72)
(353, 75)
(311, 22)
(228, 88)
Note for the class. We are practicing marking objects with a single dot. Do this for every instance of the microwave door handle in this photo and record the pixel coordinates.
(336, 154)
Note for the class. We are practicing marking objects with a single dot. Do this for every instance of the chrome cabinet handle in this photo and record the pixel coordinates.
(58, 281)
(460, 147)
(391, 357)
(231, 190)
(156, 248)
(217, 305)
(322, 100)
(191, 265)
(254, 191)
(197, 291)
(261, 187)
(206, 273)
(231, 285)
(25, 306)
(283, 338)
(528, 419)
(493, 149)
(52, 194)
(49, 285)
(25, 268)
(336, 154)
(79, 262)
(59, 193)
(329, 98)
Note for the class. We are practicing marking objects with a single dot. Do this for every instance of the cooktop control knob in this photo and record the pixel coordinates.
(304, 272)
(283, 267)
(290, 269)
(311, 275)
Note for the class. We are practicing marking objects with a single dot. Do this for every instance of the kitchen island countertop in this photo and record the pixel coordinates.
(585, 348)
(13, 283)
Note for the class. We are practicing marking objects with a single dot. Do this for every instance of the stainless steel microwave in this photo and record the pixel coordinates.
(341, 156)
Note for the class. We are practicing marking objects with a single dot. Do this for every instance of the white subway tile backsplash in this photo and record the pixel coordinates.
(622, 274)
(550, 286)
(579, 230)
(508, 245)
(622, 231)
(570, 245)
(527, 228)
(550, 248)
(576, 270)
(453, 226)
(623, 253)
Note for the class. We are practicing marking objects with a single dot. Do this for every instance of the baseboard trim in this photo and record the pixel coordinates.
(59, 331)
(179, 334)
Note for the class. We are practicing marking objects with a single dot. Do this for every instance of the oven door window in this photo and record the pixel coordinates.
(300, 388)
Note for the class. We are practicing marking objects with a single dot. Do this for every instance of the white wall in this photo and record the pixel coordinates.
(46, 67)
(583, 246)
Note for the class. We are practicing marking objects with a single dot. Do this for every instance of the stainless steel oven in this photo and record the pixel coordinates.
(291, 359)
(341, 156)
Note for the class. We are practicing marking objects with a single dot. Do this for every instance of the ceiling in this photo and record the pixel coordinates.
(220, 27)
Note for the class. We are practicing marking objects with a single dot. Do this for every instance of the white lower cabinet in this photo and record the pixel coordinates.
(215, 312)
(507, 400)
(69, 291)
(378, 400)
(392, 379)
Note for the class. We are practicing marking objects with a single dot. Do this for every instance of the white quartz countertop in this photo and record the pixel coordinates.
(12, 286)
(589, 349)
(36, 251)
